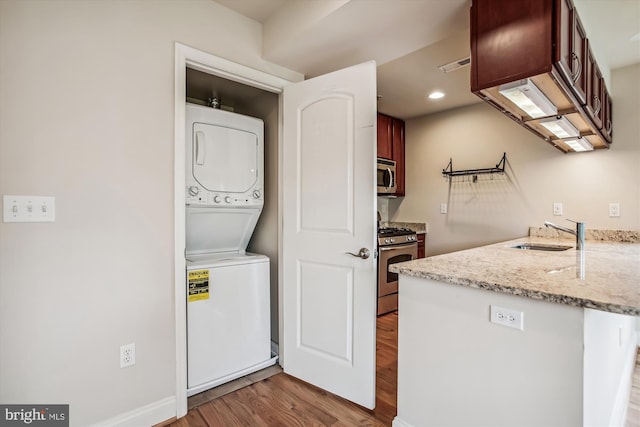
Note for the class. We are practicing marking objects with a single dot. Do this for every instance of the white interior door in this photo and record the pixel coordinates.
(328, 296)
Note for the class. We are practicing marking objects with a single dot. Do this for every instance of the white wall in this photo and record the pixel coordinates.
(87, 113)
(538, 175)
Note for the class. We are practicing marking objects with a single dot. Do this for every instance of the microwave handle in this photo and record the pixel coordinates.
(390, 179)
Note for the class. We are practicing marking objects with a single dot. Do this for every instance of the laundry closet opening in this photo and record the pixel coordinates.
(204, 89)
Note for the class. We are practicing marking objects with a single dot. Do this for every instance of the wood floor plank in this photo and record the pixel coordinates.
(218, 413)
(284, 400)
(341, 410)
(192, 419)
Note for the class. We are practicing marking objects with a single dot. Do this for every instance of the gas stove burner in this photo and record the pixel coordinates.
(392, 231)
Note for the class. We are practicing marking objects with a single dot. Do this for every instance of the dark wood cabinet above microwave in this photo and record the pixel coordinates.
(391, 146)
(540, 43)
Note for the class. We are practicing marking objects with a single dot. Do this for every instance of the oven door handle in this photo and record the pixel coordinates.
(401, 246)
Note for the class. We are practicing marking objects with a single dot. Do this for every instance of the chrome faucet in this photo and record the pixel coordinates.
(578, 232)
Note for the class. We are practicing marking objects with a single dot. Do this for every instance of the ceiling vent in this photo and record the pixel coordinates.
(455, 65)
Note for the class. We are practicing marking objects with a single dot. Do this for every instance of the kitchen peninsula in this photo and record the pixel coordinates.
(568, 365)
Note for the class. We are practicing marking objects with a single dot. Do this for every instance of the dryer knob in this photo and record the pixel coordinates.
(193, 190)
(256, 194)
(227, 199)
(217, 199)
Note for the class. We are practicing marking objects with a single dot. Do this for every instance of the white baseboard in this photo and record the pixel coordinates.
(619, 413)
(148, 415)
(397, 422)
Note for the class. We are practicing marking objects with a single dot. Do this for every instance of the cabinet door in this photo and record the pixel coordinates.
(594, 90)
(421, 245)
(579, 59)
(510, 40)
(398, 154)
(572, 45)
(565, 42)
(607, 123)
(385, 137)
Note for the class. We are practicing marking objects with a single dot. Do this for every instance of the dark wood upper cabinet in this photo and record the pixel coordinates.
(398, 154)
(572, 45)
(385, 137)
(607, 123)
(542, 42)
(595, 90)
(512, 40)
(391, 146)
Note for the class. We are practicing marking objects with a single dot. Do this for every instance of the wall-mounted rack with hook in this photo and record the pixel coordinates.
(499, 168)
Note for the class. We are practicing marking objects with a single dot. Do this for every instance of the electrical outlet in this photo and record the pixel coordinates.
(127, 355)
(557, 209)
(507, 317)
(614, 209)
(443, 208)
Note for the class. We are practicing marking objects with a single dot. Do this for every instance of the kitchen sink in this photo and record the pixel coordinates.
(542, 247)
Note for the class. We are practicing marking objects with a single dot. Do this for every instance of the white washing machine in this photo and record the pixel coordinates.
(227, 296)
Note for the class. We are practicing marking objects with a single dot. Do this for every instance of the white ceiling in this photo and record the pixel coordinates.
(409, 39)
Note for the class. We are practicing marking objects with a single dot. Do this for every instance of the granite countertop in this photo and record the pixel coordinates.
(604, 276)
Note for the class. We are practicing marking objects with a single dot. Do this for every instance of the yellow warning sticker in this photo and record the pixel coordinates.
(198, 285)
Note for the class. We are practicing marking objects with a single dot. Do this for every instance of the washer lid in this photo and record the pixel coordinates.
(224, 158)
(210, 229)
(223, 259)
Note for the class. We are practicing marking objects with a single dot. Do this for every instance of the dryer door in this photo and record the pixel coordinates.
(224, 159)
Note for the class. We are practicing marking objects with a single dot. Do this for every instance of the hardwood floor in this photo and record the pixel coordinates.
(282, 400)
(633, 411)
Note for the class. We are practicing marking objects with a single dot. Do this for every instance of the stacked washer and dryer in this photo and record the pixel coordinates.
(228, 292)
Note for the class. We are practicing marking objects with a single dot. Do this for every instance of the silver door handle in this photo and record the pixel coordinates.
(364, 253)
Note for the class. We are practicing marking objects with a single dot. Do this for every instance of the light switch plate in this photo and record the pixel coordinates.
(28, 208)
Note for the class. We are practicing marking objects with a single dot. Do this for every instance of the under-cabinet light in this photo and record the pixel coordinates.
(455, 65)
(560, 127)
(528, 98)
(579, 144)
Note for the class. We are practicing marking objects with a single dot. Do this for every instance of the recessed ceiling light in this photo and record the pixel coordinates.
(436, 95)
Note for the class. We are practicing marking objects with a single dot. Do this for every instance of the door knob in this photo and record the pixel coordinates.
(364, 253)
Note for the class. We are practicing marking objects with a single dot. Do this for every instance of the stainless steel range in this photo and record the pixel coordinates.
(394, 245)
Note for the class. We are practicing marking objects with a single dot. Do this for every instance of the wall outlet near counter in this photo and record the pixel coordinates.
(443, 208)
(614, 209)
(507, 317)
(557, 209)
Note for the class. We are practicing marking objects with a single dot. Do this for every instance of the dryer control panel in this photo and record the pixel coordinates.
(197, 196)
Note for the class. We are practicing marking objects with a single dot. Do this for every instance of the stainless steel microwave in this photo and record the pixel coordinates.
(386, 176)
